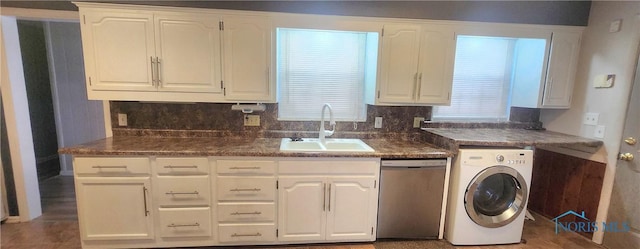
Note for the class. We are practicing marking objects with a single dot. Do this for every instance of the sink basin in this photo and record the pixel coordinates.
(330, 145)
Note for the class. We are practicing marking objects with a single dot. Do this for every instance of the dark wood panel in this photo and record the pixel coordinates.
(561, 183)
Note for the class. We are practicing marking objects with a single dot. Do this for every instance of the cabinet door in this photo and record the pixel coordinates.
(398, 64)
(118, 47)
(563, 63)
(435, 72)
(247, 58)
(351, 210)
(301, 209)
(114, 208)
(188, 48)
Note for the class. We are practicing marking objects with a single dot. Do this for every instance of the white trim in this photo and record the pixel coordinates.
(14, 98)
(12, 219)
(40, 14)
(107, 118)
(445, 198)
(68, 172)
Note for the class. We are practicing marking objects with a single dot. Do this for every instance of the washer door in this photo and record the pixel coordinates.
(495, 196)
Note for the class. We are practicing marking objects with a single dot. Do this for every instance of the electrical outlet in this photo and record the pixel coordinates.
(122, 119)
(417, 122)
(599, 131)
(378, 123)
(591, 118)
(251, 120)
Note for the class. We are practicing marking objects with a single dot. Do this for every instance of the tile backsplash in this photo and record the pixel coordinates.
(210, 116)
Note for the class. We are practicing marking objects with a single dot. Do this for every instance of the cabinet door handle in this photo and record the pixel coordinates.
(324, 197)
(158, 71)
(110, 167)
(180, 167)
(184, 225)
(144, 195)
(153, 73)
(419, 86)
(244, 168)
(181, 193)
(329, 198)
(245, 189)
(246, 235)
(252, 213)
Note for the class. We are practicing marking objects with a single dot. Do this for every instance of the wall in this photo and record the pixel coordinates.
(602, 53)
(36, 73)
(574, 13)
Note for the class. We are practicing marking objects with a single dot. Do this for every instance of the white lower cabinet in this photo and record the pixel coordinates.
(336, 201)
(150, 202)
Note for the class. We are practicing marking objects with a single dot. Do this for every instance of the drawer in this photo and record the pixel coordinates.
(116, 166)
(246, 188)
(249, 233)
(182, 166)
(183, 190)
(251, 212)
(185, 222)
(255, 167)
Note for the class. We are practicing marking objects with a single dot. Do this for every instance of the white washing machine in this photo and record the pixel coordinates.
(488, 196)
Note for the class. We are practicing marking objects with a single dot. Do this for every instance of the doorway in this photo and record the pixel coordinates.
(625, 198)
(60, 113)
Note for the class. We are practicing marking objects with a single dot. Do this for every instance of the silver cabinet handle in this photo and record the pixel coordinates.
(246, 235)
(329, 197)
(244, 168)
(419, 86)
(181, 193)
(245, 189)
(324, 197)
(153, 73)
(110, 167)
(252, 213)
(144, 197)
(158, 71)
(184, 225)
(180, 167)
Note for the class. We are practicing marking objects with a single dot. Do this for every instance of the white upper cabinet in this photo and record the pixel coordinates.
(544, 75)
(416, 65)
(188, 53)
(563, 63)
(143, 54)
(247, 58)
(118, 48)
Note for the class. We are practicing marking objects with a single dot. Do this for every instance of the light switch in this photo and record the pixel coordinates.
(615, 26)
(599, 131)
(122, 119)
(417, 122)
(378, 123)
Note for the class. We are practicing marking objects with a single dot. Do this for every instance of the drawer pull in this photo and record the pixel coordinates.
(245, 189)
(184, 225)
(110, 167)
(252, 213)
(181, 167)
(244, 168)
(246, 235)
(182, 193)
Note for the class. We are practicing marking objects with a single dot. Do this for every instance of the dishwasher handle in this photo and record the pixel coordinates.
(414, 163)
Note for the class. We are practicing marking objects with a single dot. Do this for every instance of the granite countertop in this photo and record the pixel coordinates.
(453, 138)
(234, 146)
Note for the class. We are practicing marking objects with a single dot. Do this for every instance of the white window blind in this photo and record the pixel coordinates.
(320, 66)
(481, 79)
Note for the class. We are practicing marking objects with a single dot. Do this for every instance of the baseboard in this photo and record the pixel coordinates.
(66, 172)
(12, 219)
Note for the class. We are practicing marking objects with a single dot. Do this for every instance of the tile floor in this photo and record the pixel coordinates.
(58, 228)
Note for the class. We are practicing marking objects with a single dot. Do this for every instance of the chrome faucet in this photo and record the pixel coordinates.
(332, 123)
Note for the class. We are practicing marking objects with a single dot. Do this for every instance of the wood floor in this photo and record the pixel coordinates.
(58, 228)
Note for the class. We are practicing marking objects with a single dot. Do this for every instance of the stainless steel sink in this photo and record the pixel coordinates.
(330, 145)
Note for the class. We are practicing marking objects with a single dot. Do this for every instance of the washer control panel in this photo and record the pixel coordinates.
(511, 159)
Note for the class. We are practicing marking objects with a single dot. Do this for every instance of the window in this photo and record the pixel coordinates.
(484, 70)
(322, 66)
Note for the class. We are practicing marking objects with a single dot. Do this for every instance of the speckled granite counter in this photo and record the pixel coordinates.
(453, 138)
(220, 146)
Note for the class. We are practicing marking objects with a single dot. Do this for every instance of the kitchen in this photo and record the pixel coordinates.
(554, 120)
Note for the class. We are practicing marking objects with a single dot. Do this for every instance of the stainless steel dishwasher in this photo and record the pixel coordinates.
(410, 198)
